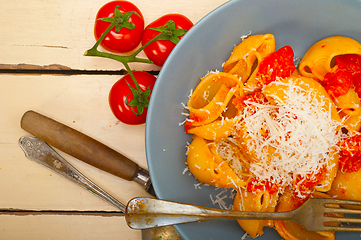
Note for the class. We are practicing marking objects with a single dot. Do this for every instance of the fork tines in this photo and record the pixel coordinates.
(332, 206)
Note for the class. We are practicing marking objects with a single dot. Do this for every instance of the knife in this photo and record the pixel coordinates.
(40, 152)
(85, 148)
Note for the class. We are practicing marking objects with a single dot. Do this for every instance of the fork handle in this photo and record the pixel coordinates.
(40, 152)
(143, 213)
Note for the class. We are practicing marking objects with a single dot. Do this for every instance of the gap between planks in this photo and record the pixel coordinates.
(56, 69)
(24, 212)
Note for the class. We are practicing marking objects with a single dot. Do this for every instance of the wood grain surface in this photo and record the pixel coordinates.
(42, 68)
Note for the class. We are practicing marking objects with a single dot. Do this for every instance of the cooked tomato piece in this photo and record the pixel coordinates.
(277, 64)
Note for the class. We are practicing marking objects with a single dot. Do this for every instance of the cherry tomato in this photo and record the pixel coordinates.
(276, 64)
(126, 39)
(119, 93)
(158, 51)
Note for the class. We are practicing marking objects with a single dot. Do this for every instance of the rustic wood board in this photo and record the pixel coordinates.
(59, 32)
(53, 35)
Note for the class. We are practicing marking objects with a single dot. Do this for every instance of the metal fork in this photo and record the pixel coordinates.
(142, 213)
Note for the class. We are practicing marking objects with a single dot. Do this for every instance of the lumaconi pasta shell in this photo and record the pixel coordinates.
(208, 87)
(260, 201)
(349, 103)
(211, 111)
(317, 60)
(208, 168)
(217, 130)
(293, 230)
(220, 88)
(346, 186)
(326, 183)
(353, 123)
(220, 155)
(244, 55)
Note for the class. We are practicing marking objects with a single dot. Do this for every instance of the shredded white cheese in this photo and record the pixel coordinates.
(298, 132)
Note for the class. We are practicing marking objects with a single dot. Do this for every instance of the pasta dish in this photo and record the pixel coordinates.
(278, 133)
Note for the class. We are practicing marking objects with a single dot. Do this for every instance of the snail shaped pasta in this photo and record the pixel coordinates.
(209, 107)
(209, 167)
(320, 60)
(211, 118)
(245, 58)
(293, 230)
(276, 142)
(261, 201)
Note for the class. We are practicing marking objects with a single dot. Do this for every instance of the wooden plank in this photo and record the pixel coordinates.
(80, 102)
(59, 32)
(77, 101)
(53, 35)
(66, 227)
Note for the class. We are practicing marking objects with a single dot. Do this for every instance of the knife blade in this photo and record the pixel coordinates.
(85, 148)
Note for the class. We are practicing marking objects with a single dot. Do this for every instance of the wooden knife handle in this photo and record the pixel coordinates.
(79, 145)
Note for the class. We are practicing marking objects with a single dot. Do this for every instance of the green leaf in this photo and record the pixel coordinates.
(144, 97)
(128, 25)
(117, 12)
(132, 12)
(140, 99)
(106, 19)
(170, 24)
(174, 39)
(179, 32)
(134, 91)
(169, 32)
(121, 19)
(117, 28)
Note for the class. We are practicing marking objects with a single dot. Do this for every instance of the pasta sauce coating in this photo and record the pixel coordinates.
(350, 159)
(345, 74)
(275, 135)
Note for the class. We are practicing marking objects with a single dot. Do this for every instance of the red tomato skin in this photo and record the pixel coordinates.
(127, 39)
(158, 51)
(119, 92)
(347, 74)
(276, 64)
(338, 82)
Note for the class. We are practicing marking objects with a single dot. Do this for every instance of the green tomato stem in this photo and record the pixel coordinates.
(95, 47)
(125, 60)
(149, 42)
(132, 76)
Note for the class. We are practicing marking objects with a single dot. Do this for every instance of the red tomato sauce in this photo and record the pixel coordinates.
(350, 154)
(256, 97)
(304, 184)
(346, 74)
(263, 185)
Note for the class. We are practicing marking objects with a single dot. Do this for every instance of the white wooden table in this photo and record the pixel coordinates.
(38, 34)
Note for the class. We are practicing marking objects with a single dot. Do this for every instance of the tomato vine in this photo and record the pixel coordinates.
(118, 22)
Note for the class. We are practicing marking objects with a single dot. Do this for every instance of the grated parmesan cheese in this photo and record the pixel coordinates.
(297, 131)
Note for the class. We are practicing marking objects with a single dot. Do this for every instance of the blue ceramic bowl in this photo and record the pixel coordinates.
(298, 23)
